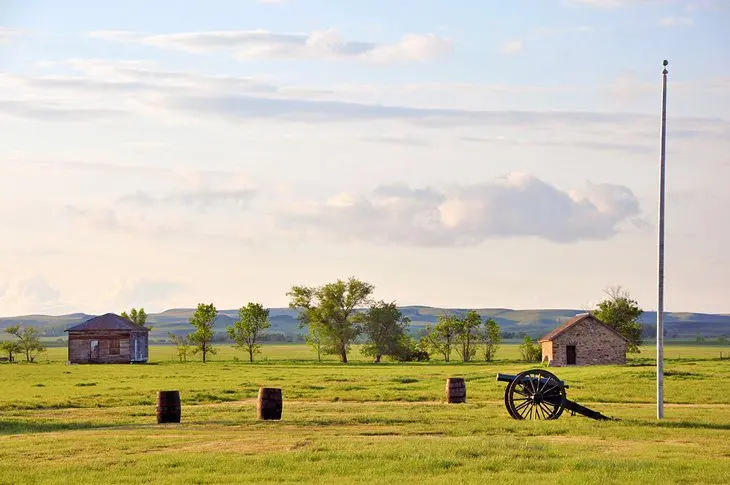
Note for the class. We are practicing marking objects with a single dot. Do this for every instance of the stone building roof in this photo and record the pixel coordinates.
(109, 321)
(574, 321)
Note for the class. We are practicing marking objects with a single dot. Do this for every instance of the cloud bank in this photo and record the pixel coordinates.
(263, 44)
(517, 205)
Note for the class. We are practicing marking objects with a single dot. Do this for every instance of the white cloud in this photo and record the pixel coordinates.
(209, 205)
(108, 90)
(617, 3)
(512, 47)
(128, 294)
(7, 34)
(517, 205)
(411, 48)
(30, 295)
(676, 22)
(263, 44)
(201, 200)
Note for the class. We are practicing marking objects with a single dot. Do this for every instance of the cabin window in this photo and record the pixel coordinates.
(114, 347)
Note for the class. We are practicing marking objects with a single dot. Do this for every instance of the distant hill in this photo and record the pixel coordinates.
(284, 324)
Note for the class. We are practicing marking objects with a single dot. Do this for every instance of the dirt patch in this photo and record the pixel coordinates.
(241, 446)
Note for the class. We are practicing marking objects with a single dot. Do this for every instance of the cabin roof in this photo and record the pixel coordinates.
(574, 321)
(108, 321)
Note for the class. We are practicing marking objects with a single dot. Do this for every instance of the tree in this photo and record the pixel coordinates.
(530, 351)
(11, 348)
(467, 334)
(203, 320)
(491, 337)
(387, 332)
(621, 312)
(314, 339)
(28, 340)
(330, 310)
(441, 337)
(138, 317)
(182, 345)
(246, 332)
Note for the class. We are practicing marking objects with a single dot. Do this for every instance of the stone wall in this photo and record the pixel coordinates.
(594, 345)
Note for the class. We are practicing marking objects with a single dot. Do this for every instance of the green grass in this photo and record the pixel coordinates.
(357, 423)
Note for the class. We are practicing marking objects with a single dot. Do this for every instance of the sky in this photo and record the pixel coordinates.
(454, 153)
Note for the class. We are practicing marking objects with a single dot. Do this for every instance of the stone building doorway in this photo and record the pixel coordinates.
(570, 354)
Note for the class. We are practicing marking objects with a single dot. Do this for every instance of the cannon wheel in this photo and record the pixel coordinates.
(535, 394)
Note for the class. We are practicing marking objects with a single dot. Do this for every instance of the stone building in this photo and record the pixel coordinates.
(584, 340)
(107, 339)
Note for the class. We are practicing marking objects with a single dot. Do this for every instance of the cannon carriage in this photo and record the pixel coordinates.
(540, 395)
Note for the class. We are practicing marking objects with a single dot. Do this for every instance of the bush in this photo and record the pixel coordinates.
(530, 351)
(414, 356)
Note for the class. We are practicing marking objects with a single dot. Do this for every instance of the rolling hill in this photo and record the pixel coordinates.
(284, 325)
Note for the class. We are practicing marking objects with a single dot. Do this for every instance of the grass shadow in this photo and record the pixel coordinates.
(679, 424)
(19, 426)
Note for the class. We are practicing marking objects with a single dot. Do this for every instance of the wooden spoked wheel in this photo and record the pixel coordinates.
(535, 394)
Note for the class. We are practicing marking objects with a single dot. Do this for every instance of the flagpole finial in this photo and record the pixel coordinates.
(665, 64)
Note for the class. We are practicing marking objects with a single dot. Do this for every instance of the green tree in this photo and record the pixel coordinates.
(314, 339)
(248, 330)
(138, 317)
(467, 334)
(203, 320)
(441, 337)
(11, 348)
(28, 340)
(182, 345)
(332, 308)
(491, 338)
(530, 351)
(621, 312)
(387, 332)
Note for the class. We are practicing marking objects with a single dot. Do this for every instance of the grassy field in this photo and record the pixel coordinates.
(358, 423)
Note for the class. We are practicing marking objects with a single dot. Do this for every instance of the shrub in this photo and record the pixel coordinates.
(530, 351)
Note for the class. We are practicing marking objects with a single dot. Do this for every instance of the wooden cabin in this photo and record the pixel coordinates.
(107, 339)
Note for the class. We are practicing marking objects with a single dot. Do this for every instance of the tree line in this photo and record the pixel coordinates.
(336, 315)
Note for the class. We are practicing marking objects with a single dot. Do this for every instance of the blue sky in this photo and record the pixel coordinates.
(460, 153)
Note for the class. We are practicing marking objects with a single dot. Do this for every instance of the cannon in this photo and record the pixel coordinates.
(539, 394)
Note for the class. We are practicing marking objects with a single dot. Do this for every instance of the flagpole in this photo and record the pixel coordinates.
(660, 292)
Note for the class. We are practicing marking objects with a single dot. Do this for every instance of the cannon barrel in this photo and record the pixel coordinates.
(510, 377)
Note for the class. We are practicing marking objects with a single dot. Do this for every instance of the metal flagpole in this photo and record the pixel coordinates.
(660, 302)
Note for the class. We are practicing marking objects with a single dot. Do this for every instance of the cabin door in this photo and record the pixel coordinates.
(570, 351)
(94, 350)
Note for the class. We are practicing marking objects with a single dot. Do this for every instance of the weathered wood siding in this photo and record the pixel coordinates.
(139, 347)
(594, 345)
(81, 348)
